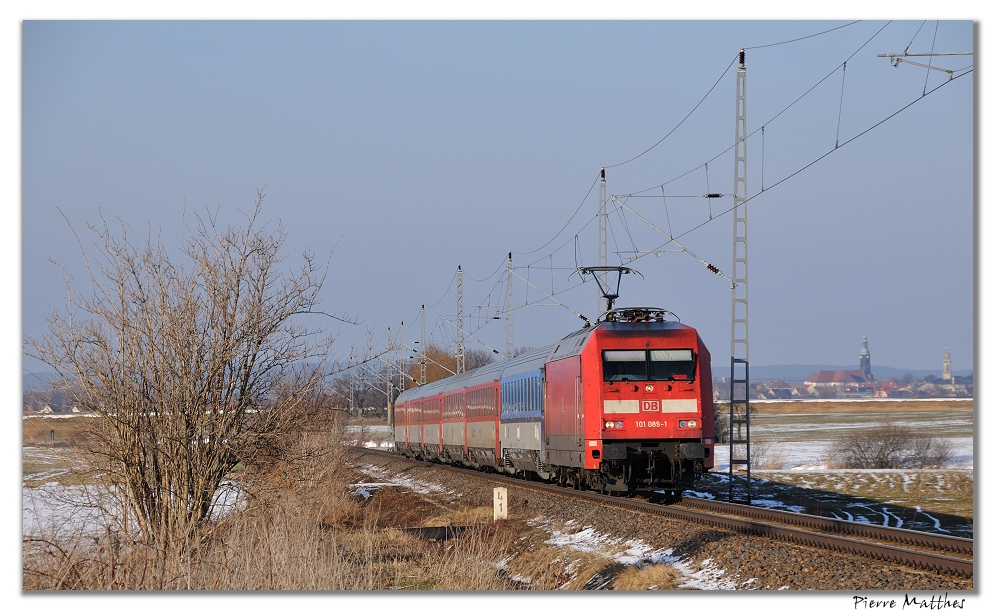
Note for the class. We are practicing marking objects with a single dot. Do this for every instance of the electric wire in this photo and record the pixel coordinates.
(483, 322)
(802, 38)
(597, 177)
(930, 60)
(772, 119)
(682, 120)
(810, 164)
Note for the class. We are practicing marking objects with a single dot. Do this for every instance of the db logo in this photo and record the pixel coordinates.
(649, 405)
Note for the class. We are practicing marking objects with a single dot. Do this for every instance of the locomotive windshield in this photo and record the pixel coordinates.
(671, 365)
(652, 365)
(625, 366)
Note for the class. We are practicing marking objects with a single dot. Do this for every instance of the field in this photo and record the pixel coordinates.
(370, 552)
(793, 473)
(793, 469)
(866, 405)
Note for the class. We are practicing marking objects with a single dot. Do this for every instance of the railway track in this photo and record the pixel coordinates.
(920, 550)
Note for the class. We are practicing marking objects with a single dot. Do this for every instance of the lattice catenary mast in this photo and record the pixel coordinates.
(602, 245)
(510, 306)
(423, 348)
(460, 336)
(739, 368)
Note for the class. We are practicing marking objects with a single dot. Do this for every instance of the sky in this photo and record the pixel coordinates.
(402, 149)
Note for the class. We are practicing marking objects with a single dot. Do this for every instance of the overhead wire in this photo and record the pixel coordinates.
(802, 38)
(684, 119)
(839, 66)
(576, 237)
(930, 60)
(821, 157)
(590, 190)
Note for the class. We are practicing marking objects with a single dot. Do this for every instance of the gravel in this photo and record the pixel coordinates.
(708, 558)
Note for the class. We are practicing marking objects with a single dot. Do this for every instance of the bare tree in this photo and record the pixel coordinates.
(194, 367)
(477, 358)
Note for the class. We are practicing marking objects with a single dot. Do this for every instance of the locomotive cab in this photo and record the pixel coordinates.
(643, 419)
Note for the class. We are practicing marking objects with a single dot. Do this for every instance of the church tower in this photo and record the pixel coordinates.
(866, 360)
(946, 367)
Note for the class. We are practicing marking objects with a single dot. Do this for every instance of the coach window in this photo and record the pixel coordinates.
(672, 364)
(625, 366)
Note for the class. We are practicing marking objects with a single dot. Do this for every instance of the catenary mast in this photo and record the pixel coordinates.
(739, 368)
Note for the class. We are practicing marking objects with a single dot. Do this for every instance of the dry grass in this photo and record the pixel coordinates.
(542, 566)
(301, 529)
(653, 577)
(944, 491)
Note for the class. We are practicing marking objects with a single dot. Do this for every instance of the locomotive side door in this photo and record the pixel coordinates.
(564, 413)
(578, 408)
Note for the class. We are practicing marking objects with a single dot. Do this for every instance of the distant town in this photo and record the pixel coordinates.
(821, 384)
(860, 383)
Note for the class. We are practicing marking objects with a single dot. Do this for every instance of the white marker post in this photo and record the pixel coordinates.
(499, 504)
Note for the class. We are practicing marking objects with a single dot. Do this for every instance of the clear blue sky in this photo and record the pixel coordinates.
(424, 145)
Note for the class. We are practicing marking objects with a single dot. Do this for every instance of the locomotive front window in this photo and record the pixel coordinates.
(625, 366)
(671, 364)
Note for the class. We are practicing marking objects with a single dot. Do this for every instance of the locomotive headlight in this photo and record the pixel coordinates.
(688, 423)
(619, 424)
(609, 424)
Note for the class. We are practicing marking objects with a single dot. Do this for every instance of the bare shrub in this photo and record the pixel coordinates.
(197, 369)
(767, 455)
(721, 422)
(888, 445)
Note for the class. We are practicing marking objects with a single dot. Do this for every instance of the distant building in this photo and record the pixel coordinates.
(866, 359)
(946, 367)
(837, 378)
(846, 383)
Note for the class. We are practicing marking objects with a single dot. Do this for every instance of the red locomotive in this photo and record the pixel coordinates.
(621, 406)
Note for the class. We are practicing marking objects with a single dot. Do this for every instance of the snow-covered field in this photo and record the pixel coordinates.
(52, 510)
(803, 440)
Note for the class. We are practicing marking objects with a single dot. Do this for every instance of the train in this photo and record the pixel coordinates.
(621, 406)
